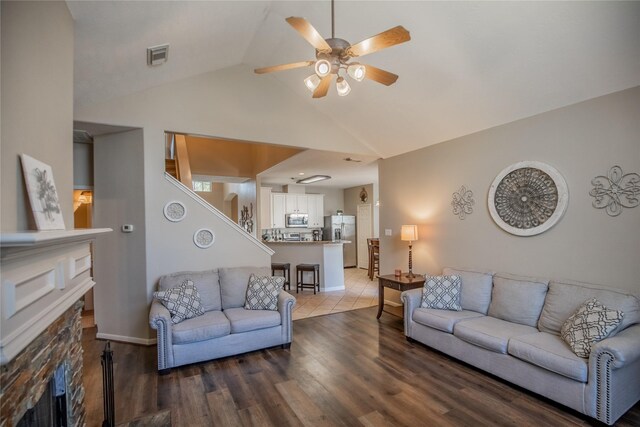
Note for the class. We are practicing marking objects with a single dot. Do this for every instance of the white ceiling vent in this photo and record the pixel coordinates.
(157, 55)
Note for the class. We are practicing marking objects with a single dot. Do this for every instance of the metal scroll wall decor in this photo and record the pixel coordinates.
(528, 198)
(463, 202)
(616, 191)
(246, 218)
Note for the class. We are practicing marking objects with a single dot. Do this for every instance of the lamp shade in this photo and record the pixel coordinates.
(409, 233)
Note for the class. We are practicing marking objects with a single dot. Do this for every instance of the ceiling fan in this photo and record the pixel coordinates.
(333, 55)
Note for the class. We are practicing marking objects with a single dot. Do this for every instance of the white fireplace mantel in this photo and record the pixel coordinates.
(43, 274)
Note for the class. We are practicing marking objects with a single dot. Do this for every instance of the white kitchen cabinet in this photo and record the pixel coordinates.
(315, 203)
(278, 205)
(265, 207)
(296, 203)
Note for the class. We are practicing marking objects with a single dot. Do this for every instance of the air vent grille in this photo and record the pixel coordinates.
(157, 55)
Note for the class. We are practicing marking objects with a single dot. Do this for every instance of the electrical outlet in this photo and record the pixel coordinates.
(387, 232)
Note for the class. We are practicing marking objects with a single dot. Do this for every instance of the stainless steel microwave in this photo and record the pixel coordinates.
(297, 220)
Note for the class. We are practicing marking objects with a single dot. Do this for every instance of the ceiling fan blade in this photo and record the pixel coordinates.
(309, 33)
(380, 76)
(283, 67)
(323, 87)
(380, 41)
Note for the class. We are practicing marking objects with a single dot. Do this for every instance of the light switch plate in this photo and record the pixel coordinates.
(387, 232)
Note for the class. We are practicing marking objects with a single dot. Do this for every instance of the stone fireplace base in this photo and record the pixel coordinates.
(23, 379)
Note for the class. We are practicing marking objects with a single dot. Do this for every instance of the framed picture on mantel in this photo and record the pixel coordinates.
(43, 196)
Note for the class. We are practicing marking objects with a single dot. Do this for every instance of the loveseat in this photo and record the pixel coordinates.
(510, 327)
(226, 328)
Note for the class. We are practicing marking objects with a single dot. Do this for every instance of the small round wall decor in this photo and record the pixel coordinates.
(528, 198)
(204, 238)
(175, 211)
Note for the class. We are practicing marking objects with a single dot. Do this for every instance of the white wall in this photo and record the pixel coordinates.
(37, 104)
(581, 141)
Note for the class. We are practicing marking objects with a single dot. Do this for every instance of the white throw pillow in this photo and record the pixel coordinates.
(442, 292)
(591, 322)
(262, 292)
(183, 302)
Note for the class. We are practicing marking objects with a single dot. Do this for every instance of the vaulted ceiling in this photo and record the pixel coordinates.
(468, 67)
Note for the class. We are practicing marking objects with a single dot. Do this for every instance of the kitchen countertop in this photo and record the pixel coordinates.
(308, 242)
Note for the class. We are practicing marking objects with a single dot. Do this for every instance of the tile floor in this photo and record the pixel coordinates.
(360, 292)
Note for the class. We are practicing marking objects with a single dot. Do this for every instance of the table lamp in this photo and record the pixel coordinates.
(409, 234)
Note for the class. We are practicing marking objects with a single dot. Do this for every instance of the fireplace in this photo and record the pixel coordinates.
(51, 408)
(44, 276)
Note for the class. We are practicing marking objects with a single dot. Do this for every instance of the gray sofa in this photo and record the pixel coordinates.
(226, 328)
(510, 326)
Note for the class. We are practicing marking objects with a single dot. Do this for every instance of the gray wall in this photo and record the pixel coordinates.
(82, 166)
(37, 104)
(121, 308)
(581, 141)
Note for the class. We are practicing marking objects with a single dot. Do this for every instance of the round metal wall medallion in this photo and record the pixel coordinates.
(175, 211)
(203, 238)
(528, 198)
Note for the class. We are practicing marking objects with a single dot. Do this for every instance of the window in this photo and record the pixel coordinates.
(202, 186)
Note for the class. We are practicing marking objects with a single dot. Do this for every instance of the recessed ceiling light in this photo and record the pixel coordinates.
(350, 159)
(300, 173)
(314, 178)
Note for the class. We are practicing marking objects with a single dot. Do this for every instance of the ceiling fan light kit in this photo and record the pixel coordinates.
(333, 56)
(312, 82)
(342, 87)
(357, 71)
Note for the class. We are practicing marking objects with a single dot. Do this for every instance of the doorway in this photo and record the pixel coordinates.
(364, 231)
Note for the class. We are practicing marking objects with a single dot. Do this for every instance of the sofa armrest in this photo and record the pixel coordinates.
(411, 300)
(160, 320)
(624, 347)
(285, 306)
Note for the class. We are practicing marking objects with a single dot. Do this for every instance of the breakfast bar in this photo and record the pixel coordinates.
(328, 254)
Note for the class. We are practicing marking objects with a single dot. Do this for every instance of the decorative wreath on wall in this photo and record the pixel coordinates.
(204, 238)
(528, 198)
(175, 211)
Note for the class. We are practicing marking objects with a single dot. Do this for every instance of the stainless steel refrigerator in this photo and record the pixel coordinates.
(342, 227)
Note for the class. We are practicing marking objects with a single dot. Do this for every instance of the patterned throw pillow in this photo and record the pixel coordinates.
(592, 322)
(262, 292)
(442, 292)
(183, 302)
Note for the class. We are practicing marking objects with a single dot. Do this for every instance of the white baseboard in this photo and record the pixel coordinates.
(392, 303)
(333, 288)
(122, 338)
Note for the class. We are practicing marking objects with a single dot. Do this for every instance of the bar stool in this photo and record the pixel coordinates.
(300, 283)
(285, 267)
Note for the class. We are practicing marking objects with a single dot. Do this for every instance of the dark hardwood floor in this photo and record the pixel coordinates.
(342, 369)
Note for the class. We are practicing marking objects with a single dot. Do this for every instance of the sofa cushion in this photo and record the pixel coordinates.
(475, 289)
(517, 299)
(490, 333)
(249, 320)
(212, 324)
(233, 284)
(443, 320)
(207, 282)
(592, 322)
(183, 302)
(263, 291)
(441, 292)
(564, 298)
(550, 352)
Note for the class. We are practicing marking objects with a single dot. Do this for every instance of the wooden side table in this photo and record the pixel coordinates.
(401, 284)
